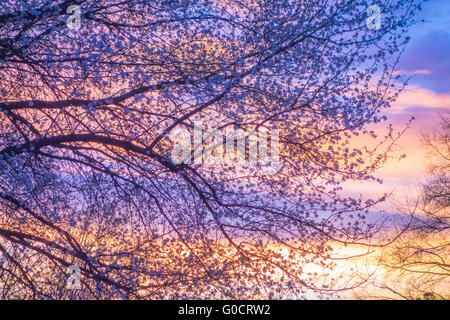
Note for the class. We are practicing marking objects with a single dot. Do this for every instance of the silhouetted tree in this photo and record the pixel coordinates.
(417, 263)
(86, 175)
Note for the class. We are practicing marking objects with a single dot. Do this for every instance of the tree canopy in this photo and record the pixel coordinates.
(86, 114)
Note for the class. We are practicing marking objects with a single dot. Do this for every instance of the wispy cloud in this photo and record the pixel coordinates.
(412, 73)
(416, 98)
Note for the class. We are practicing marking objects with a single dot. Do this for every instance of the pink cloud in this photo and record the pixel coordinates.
(415, 96)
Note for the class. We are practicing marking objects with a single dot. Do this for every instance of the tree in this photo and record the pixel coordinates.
(85, 151)
(418, 261)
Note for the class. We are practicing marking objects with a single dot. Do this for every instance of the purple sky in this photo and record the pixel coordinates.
(429, 49)
(427, 57)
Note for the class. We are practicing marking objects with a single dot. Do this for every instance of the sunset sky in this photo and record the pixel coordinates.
(224, 150)
(427, 59)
